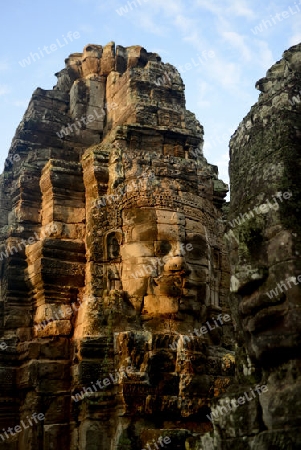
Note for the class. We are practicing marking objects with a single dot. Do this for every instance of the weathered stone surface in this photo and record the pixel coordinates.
(118, 262)
(263, 233)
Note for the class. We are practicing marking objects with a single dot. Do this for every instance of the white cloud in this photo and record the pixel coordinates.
(83, 2)
(241, 9)
(237, 41)
(4, 89)
(149, 24)
(146, 15)
(236, 8)
(263, 55)
(228, 74)
(296, 33)
(197, 41)
(86, 28)
(4, 65)
(204, 91)
(295, 39)
(185, 24)
(20, 103)
(170, 7)
(210, 6)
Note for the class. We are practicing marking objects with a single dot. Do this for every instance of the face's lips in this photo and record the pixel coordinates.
(257, 311)
(265, 318)
(258, 301)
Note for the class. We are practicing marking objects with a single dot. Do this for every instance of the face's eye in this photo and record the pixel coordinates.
(251, 237)
(200, 249)
(162, 248)
(254, 239)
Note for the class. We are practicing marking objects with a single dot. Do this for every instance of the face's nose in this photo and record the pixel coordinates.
(178, 250)
(175, 264)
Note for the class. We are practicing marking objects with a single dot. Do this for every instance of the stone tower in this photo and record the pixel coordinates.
(114, 277)
(263, 233)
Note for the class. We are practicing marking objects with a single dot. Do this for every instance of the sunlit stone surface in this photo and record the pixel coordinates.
(102, 310)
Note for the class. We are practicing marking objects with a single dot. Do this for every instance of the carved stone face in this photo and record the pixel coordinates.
(167, 273)
(169, 263)
(166, 266)
(265, 285)
(171, 275)
(264, 169)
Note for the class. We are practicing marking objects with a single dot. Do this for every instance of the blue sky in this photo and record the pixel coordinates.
(220, 47)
